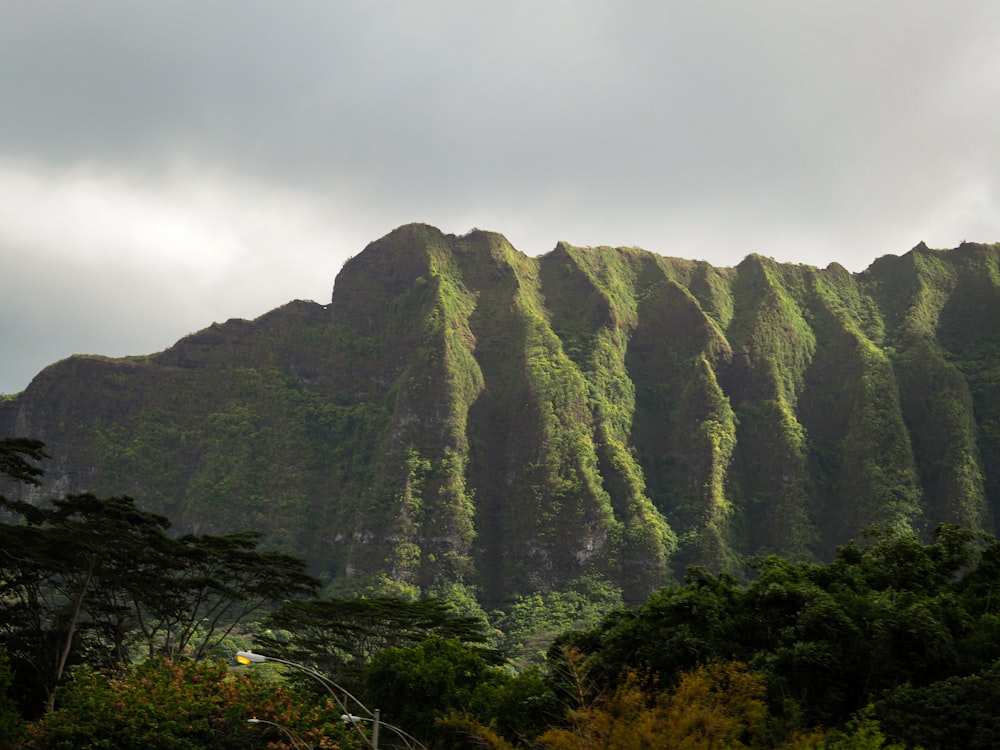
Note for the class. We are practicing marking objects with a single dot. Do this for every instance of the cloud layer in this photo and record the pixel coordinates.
(165, 165)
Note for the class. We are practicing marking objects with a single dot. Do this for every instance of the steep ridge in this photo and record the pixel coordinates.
(545, 518)
(465, 420)
(590, 296)
(969, 333)
(412, 520)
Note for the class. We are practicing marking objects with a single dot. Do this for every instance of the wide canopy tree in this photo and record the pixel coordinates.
(96, 580)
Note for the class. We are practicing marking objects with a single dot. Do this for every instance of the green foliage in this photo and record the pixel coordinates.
(16, 456)
(830, 637)
(958, 711)
(339, 637)
(443, 691)
(864, 732)
(217, 583)
(532, 622)
(64, 576)
(94, 580)
(182, 705)
(417, 684)
(462, 414)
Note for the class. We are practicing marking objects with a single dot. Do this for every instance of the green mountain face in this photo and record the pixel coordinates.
(462, 414)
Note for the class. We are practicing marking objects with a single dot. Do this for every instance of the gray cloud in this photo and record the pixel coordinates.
(811, 132)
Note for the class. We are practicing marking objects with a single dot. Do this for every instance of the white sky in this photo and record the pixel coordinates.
(165, 165)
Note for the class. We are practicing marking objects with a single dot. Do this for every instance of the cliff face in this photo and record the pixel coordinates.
(461, 413)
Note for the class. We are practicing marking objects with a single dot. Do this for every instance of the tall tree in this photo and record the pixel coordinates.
(717, 705)
(81, 575)
(212, 584)
(338, 637)
(418, 684)
(65, 562)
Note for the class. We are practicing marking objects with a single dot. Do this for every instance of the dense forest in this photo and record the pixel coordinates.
(462, 420)
(115, 634)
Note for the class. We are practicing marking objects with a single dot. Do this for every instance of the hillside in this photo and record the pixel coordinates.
(461, 413)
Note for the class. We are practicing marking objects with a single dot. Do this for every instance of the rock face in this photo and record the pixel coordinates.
(461, 413)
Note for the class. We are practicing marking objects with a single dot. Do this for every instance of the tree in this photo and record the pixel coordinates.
(676, 629)
(533, 621)
(338, 637)
(82, 576)
(863, 732)
(831, 638)
(959, 711)
(507, 708)
(415, 685)
(717, 705)
(62, 575)
(183, 705)
(16, 455)
(209, 586)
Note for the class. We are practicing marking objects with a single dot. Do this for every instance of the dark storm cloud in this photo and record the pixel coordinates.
(812, 132)
(635, 103)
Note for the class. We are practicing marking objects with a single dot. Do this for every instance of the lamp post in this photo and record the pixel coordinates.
(296, 742)
(249, 657)
(350, 718)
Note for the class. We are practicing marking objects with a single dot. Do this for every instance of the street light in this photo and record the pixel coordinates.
(296, 742)
(249, 657)
(349, 718)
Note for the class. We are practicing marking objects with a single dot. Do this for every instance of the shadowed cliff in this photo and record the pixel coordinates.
(462, 414)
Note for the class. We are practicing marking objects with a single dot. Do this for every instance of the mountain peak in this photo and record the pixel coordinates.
(463, 414)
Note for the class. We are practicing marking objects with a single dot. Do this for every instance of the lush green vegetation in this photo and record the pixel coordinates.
(114, 634)
(185, 705)
(463, 420)
(96, 580)
(501, 467)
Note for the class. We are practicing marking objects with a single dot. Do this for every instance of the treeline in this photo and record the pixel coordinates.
(902, 632)
(114, 634)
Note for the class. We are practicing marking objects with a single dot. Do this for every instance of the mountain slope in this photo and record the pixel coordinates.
(462, 414)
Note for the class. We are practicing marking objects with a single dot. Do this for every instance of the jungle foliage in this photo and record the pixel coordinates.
(908, 627)
(892, 645)
(111, 632)
(96, 580)
(182, 704)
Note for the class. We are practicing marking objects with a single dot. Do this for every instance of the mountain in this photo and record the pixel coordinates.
(461, 413)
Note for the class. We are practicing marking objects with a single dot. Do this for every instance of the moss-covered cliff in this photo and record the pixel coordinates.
(461, 414)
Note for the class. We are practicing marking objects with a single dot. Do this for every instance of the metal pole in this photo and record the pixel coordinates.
(248, 657)
(296, 742)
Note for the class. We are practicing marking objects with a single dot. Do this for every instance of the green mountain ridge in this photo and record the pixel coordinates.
(462, 414)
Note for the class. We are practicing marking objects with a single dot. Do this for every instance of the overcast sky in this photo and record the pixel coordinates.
(165, 165)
